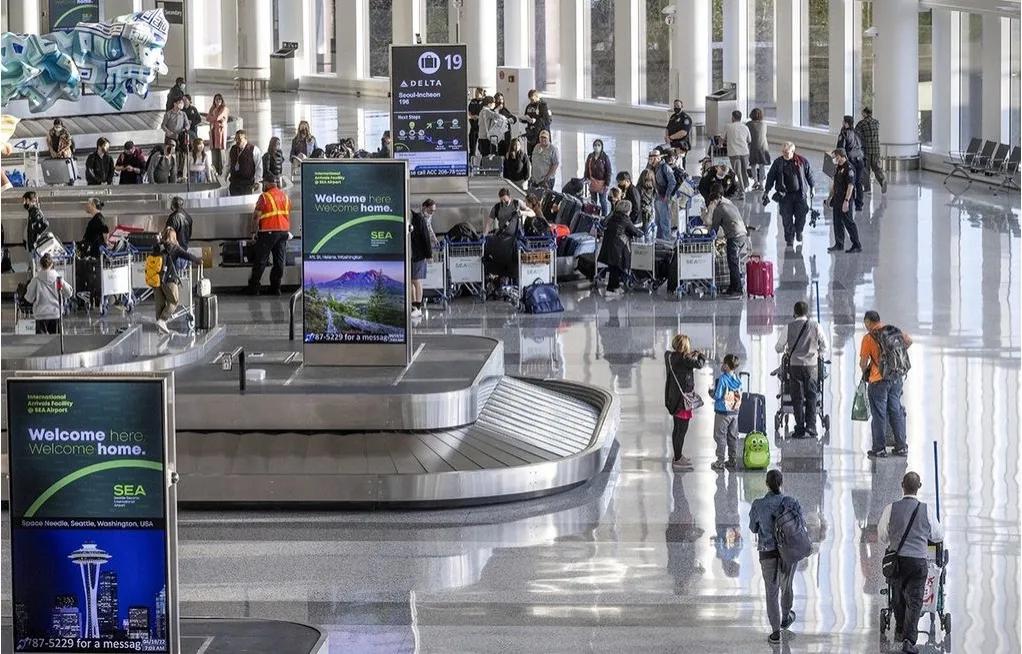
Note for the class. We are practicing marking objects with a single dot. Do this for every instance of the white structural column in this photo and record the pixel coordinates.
(518, 37)
(690, 55)
(896, 88)
(478, 25)
(295, 24)
(787, 57)
(626, 51)
(408, 18)
(25, 16)
(942, 88)
(842, 71)
(571, 84)
(352, 34)
(228, 34)
(737, 42)
(995, 78)
(254, 39)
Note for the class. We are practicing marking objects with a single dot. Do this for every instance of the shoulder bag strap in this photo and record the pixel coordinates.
(670, 366)
(911, 521)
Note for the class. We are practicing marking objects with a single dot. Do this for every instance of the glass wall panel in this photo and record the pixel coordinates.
(381, 33)
(815, 110)
(717, 44)
(209, 34)
(601, 50)
(437, 22)
(326, 38)
(547, 18)
(926, 77)
(655, 71)
(1015, 91)
(761, 79)
(970, 114)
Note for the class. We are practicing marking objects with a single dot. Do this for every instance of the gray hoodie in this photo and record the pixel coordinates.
(42, 293)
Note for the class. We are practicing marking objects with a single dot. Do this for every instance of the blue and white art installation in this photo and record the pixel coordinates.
(112, 59)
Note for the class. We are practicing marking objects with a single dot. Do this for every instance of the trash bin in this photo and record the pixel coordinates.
(282, 68)
(719, 106)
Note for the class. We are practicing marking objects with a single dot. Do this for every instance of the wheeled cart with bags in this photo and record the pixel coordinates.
(695, 261)
(934, 600)
(785, 410)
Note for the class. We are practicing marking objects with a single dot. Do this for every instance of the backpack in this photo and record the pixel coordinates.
(680, 176)
(153, 268)
(756, 453)
(541, 298)
(791, 535)
(894, 362)
(462, 232)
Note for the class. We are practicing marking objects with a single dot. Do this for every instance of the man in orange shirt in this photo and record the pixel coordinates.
(271, 223)
(883, 358)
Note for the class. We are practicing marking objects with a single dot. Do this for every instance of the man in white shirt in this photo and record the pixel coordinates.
(737, 138)
(803, 342)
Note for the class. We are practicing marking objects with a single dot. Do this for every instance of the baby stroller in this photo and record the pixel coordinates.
(786, 409)
(933, 599)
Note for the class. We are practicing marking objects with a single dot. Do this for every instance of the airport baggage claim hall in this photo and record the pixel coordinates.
(510, 326)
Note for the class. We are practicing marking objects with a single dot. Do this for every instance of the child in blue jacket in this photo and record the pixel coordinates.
(727, 398)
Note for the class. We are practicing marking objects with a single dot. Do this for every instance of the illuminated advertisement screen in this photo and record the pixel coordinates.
(354, 260)
(429, 109)
(90, 534)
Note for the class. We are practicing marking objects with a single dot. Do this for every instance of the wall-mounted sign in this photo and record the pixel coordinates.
(174, 11)
(429, 109)
(65, 14)
(93, 542)
(355, 262)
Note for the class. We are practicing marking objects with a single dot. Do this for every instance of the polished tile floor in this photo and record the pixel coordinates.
(643, 559)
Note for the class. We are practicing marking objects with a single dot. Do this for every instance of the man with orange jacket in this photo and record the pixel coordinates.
(271, 223)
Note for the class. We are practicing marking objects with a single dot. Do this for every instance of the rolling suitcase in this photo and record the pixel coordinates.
(491, 165)
(759, 275)
(58, 172)
(752, 412)
(577, 244)
(208, 312)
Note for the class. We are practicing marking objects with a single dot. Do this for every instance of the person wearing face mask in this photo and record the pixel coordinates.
(631, 193)
(545, 161)
(36, 225)
(665, 185)
(723, 175)
(176, 92)
(647, 198)
(423, 243)
(537, 119)
(99, 166)
(505, 137)
(96, 231)
(792, 177)
(678, 131)
(597, 172)
(475, 105)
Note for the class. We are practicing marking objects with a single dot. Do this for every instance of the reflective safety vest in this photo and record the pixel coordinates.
(274, 209)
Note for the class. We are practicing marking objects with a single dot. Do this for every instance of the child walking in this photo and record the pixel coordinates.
(727, 398)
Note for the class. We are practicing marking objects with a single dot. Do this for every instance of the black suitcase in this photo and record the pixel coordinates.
(208, 312)
(87, 278)
(586, 266)
(235, 253)
(752, 413)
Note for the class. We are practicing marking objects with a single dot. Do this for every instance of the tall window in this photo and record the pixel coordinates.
(926, 76)
(656, 67)
(867, 99)
(548, 17)
(381, 33)
(716, 44)
(326, 41)
(500, 33)
(815, 110)
(1015, 90)
(761, 81)
(209, 35)
(601, 48)
(970, 115)
(437, 22)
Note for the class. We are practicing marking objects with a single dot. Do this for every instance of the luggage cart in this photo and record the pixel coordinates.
(436, 275)
(644, 265)
(695, 261)
(115, 277)
(140, 289)
(465, 268)
(537, 261)
(63, 264)
(190, 276)
(934, 600)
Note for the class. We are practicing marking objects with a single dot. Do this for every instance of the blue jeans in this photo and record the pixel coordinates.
(885, 405)
(600, 198)
(662, 208)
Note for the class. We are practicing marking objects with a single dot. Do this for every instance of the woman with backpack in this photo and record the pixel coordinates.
(680, 397)
(161, 274)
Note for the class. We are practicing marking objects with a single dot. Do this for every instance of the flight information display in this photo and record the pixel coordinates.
(429, 116)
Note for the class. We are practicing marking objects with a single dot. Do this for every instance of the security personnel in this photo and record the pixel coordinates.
(271, 223)
(840, 200)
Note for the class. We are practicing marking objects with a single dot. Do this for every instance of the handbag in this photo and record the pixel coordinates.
(889, 566)
(860, 405)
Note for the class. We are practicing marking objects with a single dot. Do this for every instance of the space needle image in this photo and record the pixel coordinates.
(89, 558)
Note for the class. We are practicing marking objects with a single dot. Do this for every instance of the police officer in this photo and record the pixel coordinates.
(679, 128)
(840, 200)
(271, 223)
(803, 342)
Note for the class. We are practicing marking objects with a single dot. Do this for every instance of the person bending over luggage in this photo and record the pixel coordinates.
(630, 192)
(883, 358)
(727, 219)
(791, 177)
(727, 398)
(802, 343)
(36, 225)
(907, 527)
(680, 397)
(517, 167)
(616, 251)
(506, 209)
(47, 295)
(99, 166)
(168, 294)
(723, 175)
(96, 231)
(777, 578)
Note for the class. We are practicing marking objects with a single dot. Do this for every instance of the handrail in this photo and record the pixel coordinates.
(291, 309)
(241, 370)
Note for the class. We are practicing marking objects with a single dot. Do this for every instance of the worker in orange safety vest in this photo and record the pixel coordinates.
(271, 225)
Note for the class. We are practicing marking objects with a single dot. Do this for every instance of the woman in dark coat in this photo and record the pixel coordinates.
(616, 252)
(681, 362)
(630, 192)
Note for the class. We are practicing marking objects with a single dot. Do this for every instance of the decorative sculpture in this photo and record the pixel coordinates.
(111, 58)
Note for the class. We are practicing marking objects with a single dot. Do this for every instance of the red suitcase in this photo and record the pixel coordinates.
(759, 276)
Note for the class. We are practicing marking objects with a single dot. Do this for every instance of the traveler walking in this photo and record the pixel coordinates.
(801, 343)
(537, 119)
(99, 166)
(303, 144)
(914, 525)
(130, 164)
(517, 167)
(840, 200)
(759, 149)
(475, 105)
(545, 162)
(180, 221)
(665, 185)
(679, 130)
(36, 225)
(727, 398)
(422, 253)
(217, 118)
(200, 164)
(271, 224)
(47, 295)
(777, 576)
(737, 137)
(597, 171)
(245, 165)
(884, 361)
(726, 219)
(273, 162)
(680, 397)
(631, 193)
(850, 141)
(792, 177)
(869, 131)
(616, 250)
(167, 294)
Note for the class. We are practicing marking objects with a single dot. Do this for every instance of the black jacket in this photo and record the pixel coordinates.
(171, 253)
(422, 245)
(633, 196)
(681, 366)
(36, 227)
(95, 235)
(99, 169)
(541, 113)
(616, 249)
(775, 177)
(732, 190)
(181, 223)
(273, 165)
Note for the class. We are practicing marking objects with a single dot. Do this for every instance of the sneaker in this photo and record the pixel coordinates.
(854, 249)
(729, 465)
(717, 465)
(836, 248)
(788, 620)
(774, 638)
(161, 326)
(876, 454)
(416, 312)
(798, 236)
(682, 464)
(901, 451)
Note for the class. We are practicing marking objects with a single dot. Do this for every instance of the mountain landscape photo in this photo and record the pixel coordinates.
(354, 298)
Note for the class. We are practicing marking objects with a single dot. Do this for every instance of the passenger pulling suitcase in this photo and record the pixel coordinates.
(759, 275)
(208, 312)
(752, 412)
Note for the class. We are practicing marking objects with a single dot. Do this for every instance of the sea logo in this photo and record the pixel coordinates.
(429, 62)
